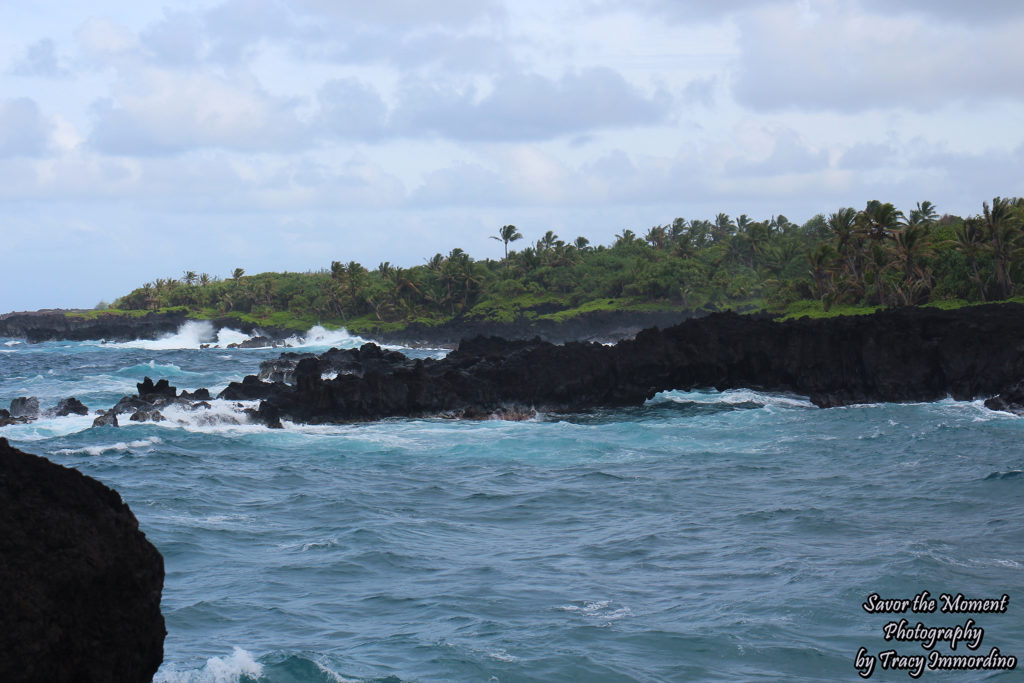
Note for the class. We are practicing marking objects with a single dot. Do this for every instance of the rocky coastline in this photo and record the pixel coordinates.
(903, 355)
(81, 583)
(51, 325)
(603, 326)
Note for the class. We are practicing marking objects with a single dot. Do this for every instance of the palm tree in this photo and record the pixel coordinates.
(657, 236)
(190, 277)
(1001, 228)
(924, 213)
(237, 273)
(506, 234)
(821, 259)
(911, 247)
(879, 221)
(969, 239)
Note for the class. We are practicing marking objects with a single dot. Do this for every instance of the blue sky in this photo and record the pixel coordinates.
(141, 140)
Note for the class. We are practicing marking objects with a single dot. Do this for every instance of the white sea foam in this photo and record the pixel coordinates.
(228, 669)
(335, 676)
(599, 610)
(12, 343)
(47, 428)
(734, 396)
(120, 446)
(320, 337)
(222, 415)
(189, 336)
(226, 336)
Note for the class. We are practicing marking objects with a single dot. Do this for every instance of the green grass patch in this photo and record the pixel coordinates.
(816, 309)
(512, 309)
(619, 304)
(97, 314)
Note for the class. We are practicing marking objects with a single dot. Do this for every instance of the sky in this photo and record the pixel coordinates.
(141, 140)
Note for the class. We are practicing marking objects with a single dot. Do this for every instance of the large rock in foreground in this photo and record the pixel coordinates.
(79, 583)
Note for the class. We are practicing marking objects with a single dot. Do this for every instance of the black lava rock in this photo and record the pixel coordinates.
(81, 584)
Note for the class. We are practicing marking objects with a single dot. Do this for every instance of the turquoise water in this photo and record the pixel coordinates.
(704, 536)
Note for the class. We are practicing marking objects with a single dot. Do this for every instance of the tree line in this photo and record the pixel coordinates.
(875, 256)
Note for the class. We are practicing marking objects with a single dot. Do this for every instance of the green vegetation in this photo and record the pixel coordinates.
(847, 263)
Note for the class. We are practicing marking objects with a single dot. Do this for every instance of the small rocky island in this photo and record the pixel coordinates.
(80, 583)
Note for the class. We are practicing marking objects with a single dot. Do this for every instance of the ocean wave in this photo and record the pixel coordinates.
(120, 446)
(228, 669)
(733, 397)
(189, 336)
(47, 428)
(13, 342)
(320, 337)
(163, 370)
(598, 610)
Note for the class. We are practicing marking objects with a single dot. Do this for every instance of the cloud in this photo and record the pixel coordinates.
(528, 107)
(350, 108)
(40, 59)
(789, 155)
(166, 112)
(837, 59)
(866, 156)
(102, 40)
(954, 11)
(177, 39)
(406, 13)
(24, 131)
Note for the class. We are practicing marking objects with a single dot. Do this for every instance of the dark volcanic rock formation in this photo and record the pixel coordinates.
(901, 355)
(69, 406)
(1011, 400)
(25, 406)
(39, 326)
(46, 325)
(80, 583)
(593, 326)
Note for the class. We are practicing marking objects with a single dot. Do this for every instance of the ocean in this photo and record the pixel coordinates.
(706, 535)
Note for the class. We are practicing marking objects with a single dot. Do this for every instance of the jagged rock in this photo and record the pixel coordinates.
(147, 416)
(257, 343)
(197, 395)
(69, 406)
(1010, 401)
(250, 388)
(106, 418)
(151, 392)
(131, 404)
(282, 369)
(892, 356)
(80, 583)
(5, 418)
(25, 406)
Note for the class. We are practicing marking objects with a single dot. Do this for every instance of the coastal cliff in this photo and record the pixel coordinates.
(49, 325)
(892, 356)
(80, 583)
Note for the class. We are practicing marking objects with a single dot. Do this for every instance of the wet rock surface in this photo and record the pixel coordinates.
(81, 584)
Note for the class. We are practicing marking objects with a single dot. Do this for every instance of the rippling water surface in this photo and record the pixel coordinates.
(703, 536)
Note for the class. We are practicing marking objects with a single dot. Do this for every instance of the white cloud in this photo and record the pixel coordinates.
(24, 131)
(164, 112)
(529, 107)
(836, 58)
(41, 60)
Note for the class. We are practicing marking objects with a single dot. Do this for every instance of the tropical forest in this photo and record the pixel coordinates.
(846, 262)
